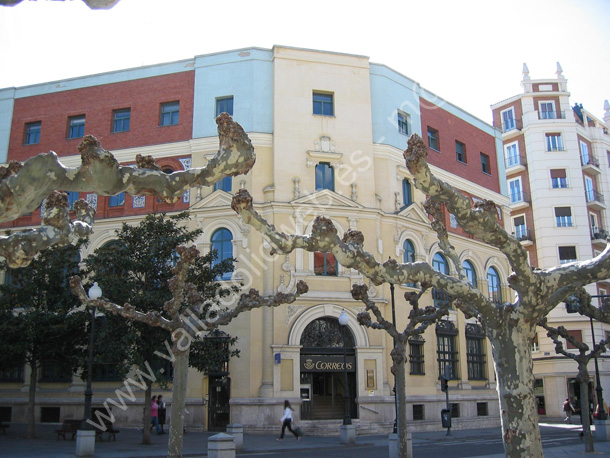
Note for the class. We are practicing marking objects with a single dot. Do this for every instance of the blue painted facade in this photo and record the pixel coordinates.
(245, 74)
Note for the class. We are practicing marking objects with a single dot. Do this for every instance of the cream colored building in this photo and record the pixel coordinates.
(328, 130)
(557, 174)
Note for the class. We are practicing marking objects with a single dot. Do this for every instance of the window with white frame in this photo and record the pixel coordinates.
(516, 190)
(403, 122)
(547, 110)
(511, 154)
(589, 189)
(567, 254)
(519, 228)
(554, 142)
(559, 178)
(563, 216)
(508, 119)
(584, 153)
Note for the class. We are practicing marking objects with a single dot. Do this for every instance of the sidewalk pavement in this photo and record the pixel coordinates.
(128, 444)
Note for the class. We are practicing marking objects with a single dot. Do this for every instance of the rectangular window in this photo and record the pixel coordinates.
(576, 334)
(117, 201)
(567, 254)
(460, 151)
(558, 178)
(455, 410)
(511, 153)
(416, 357)
(403, 123)
(224, 184)
(32, 133)
(50, 373)
(520, 229)
(418, 412)
(554, 142)
(49, 414)
(76, 126)
(224, 105)
(547, 110)
(508, 120)
(485, 164)
(72, 197)
(447, 355)
(563, 216)
(325, 176)
(433, 140)
(170, 112)
(121, 120)
(323, 104)
(324, 263)
(475, 356)
(482, 410)
(590, 194)
(584, 153)
(105, 373)
(407, 193)
(12, 374)
(516, 191)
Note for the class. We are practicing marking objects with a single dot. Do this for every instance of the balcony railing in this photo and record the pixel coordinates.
(589, 160)
(597, 233)
(551, 115)
(514, 161)
(517, 197)
(594, 196)
(515, 124)
(523, 235)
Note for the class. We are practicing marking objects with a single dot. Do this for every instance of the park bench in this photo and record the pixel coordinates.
(68, 427)
(109, 430)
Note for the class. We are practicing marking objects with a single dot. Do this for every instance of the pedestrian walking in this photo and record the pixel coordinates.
(568, 409)
(287, 421)
(162, 412)
(154, 415)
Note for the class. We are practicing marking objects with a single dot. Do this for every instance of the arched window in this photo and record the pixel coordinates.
(493, 285)
(325, 176)
(471, 274)
(409, 255)
(222, 242)
(326, 332)
(440, 264)
(224, 184)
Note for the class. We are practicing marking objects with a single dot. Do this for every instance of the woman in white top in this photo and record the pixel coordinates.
(287, 421)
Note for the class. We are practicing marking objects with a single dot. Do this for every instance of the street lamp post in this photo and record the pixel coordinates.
(395, 430)
(95, 292)
(343, 319)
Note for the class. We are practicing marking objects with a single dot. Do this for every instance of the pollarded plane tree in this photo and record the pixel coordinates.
(187, 318)
(24, 187)
(582, 356)
(419, 320)
(510, 326)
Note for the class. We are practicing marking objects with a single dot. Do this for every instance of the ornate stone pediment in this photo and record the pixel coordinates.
(414, 211)
(218, 198)
(324, 199)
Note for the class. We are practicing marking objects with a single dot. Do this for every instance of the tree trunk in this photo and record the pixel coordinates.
(511, 345)
(400, 362)
(147, 417)
(176, 427)
(585, 409)
(32, 402)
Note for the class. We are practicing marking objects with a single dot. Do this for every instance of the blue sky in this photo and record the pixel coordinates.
(470, 52)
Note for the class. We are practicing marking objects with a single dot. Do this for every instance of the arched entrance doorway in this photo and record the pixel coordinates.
(322, 370)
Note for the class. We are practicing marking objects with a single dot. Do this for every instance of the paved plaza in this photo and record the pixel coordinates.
(559, 441)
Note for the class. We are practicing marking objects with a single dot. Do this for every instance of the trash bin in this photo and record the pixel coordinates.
(446, 418)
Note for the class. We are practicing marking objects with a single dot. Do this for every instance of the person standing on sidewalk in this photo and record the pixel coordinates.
(154, 415)
(287, 421)
(162, 412)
